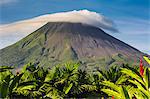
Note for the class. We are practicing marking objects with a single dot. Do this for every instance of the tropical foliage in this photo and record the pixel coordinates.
(68, 81)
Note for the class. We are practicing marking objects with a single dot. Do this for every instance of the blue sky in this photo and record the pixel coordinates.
(132, 17)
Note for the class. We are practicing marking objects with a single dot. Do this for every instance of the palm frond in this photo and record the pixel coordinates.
(111, 85)
(112, 93)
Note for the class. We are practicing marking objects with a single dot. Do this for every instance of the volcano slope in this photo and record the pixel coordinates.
(59, 42)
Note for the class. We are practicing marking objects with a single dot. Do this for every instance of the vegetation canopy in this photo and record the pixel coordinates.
(68, 81)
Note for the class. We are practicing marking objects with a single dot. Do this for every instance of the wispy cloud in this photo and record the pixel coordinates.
(2, 2)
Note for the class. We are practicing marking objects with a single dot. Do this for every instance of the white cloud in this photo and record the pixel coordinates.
(6, 1)
(16, 31)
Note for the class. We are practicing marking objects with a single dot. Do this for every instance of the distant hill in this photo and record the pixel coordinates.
(58, 42)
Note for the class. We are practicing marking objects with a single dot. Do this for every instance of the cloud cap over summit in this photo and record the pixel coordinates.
(11, 33)
(81, 16)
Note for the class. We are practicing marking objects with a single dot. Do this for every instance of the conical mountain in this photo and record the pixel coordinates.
(58, 42)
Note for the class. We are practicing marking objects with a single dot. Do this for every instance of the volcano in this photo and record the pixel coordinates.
(59, 42)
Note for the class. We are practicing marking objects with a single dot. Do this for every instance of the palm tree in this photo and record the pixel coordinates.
(23, 84)
(67, 81)
(117, 91)
(31, 80)
(60, 80)
(141, 83)
(110, 75)
(112, 83)
(130, 84)
(84, 85)
(5, 78)
(8, 82)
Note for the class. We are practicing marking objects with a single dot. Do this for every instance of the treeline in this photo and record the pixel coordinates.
(67, 81)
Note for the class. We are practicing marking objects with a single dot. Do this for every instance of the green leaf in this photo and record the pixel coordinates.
(4, 86)
(111, 85)
(5, 68)
(131, 91)
(133, 75)
(125, 92)
(88, 87)
(68, 89)
(140, 87)
(147, 78)
(14, 82)
(121, 79)
(112, 93)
